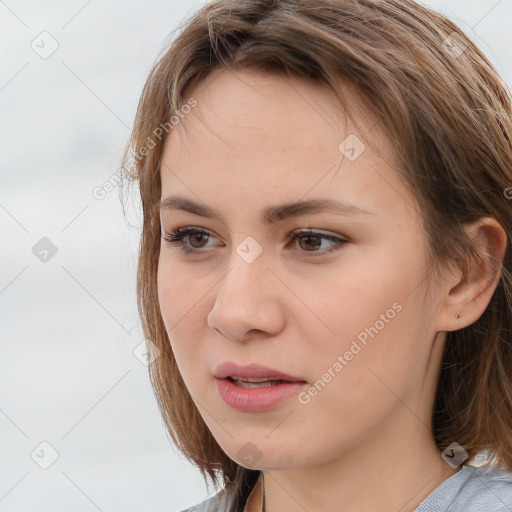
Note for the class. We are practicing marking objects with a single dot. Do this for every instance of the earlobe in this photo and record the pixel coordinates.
(467, 295)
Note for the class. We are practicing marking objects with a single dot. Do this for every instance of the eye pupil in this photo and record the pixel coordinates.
(198, 236)
(312, 237)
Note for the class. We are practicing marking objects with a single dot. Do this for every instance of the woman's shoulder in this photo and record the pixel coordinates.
(472, 489)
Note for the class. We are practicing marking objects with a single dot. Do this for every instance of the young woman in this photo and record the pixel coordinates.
(325, 263)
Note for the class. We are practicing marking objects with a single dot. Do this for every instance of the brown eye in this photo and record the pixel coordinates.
(197, 237)
(188, 239)
(310, 241)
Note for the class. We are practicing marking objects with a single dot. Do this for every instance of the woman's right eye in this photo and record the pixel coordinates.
(177, 238)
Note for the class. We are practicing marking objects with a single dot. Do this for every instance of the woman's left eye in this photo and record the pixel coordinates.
(312, 239)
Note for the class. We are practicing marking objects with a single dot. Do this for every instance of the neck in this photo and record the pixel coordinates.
(365, 479)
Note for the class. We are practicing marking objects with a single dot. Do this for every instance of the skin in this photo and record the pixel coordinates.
(364, 441)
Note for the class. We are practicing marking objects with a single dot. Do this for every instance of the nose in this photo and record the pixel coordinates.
(247, 300)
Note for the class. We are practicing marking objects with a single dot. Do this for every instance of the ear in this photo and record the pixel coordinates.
(470, 294)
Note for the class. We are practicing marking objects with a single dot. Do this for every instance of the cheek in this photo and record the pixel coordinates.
(177, 293)
(186, 295)
(363, 321)
(355, 384)
(343, 306)
(182, 306)
(378, 362)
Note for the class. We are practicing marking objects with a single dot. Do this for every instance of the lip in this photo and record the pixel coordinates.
(252, 371)
(258, 399)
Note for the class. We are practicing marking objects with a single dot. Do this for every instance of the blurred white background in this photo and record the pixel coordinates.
(69, 326)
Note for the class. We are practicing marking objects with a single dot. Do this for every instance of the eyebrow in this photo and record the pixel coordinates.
(271, 215)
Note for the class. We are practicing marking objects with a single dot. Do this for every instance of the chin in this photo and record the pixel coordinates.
(263, 455)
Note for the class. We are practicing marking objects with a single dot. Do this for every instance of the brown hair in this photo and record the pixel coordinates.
(448, 113)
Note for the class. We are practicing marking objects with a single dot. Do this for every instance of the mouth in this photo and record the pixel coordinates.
(255, 388)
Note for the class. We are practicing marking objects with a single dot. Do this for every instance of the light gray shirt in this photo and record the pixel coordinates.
(472, 489)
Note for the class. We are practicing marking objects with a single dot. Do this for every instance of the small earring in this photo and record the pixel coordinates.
(458, 315)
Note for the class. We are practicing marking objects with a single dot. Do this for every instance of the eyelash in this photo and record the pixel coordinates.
(176, 239)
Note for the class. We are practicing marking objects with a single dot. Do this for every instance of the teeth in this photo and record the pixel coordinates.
(264, 379)
(264, 384)
(255, 383)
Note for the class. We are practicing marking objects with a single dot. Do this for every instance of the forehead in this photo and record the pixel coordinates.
(286, 114)
(251, 132)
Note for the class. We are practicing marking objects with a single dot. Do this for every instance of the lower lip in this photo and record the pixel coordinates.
(257, 399)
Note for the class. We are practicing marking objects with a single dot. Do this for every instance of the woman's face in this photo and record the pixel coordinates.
(340, 309)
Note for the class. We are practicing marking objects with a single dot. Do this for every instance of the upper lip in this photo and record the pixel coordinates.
(251, 371)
